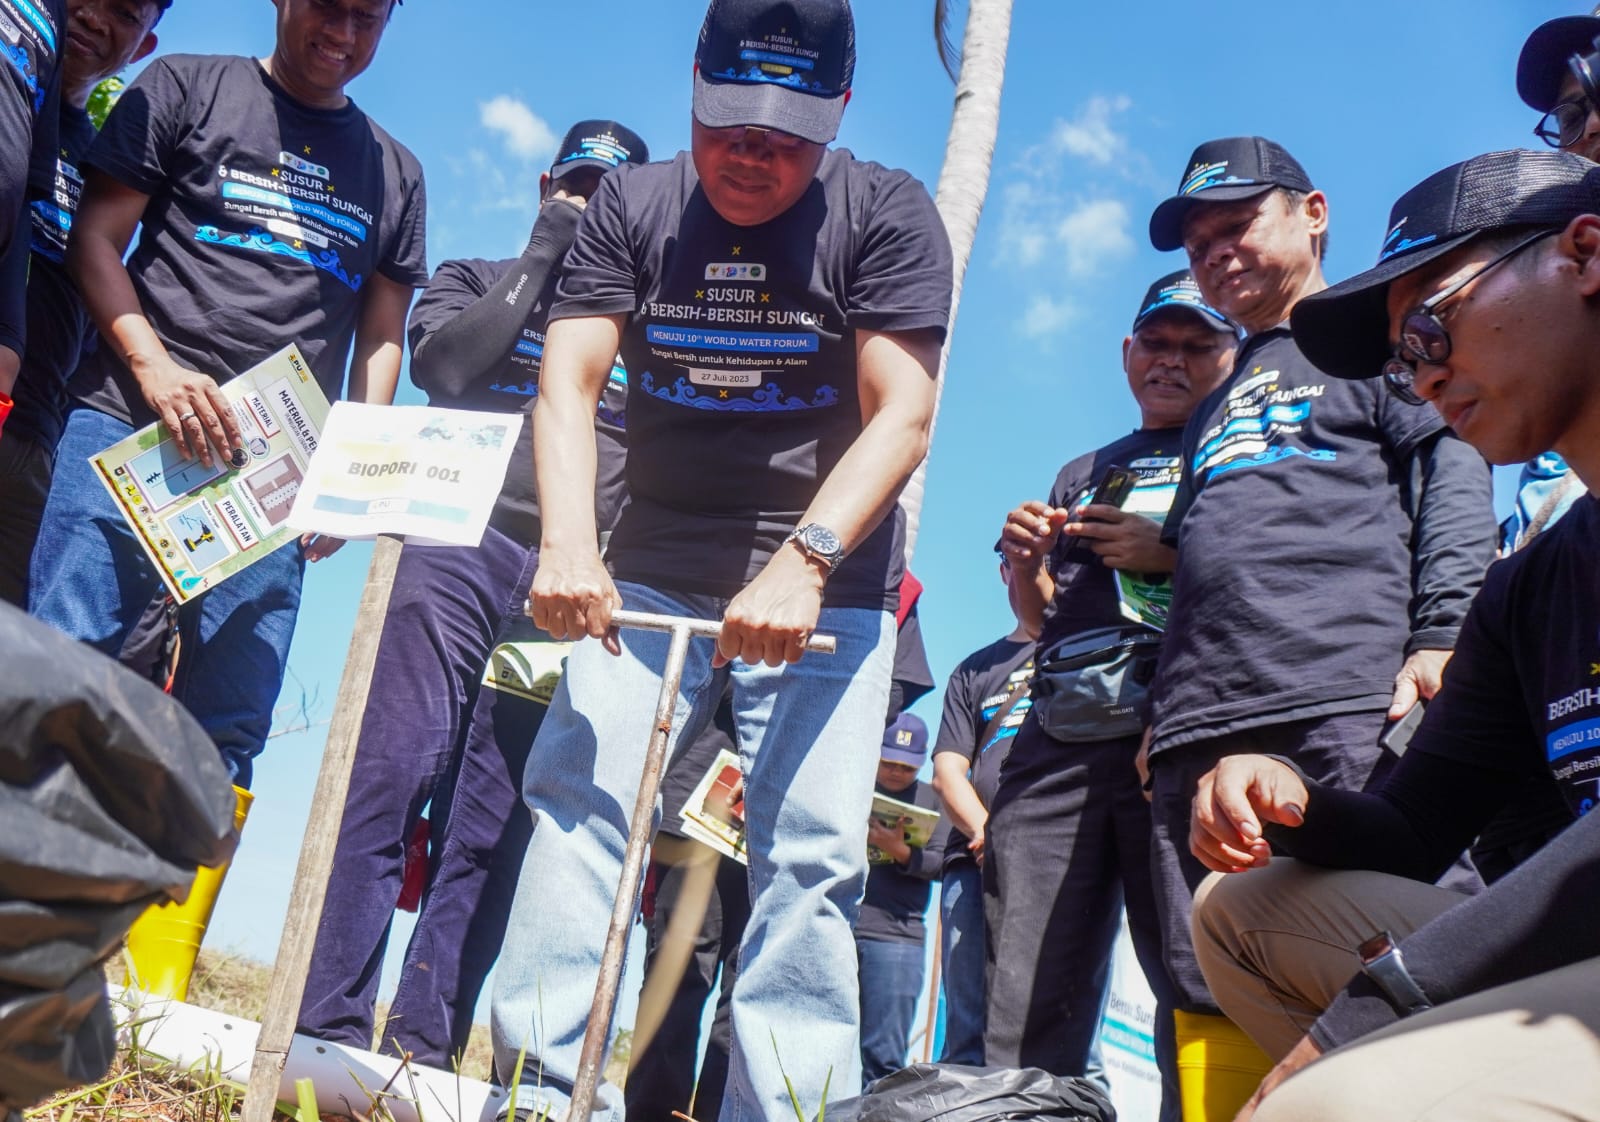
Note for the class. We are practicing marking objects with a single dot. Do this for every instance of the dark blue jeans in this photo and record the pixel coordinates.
(961, 913)
(431, 737)
(891, 983)
(90, 579)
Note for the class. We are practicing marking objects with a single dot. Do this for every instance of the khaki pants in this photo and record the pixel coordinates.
(1277, 945)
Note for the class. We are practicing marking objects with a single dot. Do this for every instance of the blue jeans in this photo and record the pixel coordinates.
(891, 983)
(808, 739)
(961, 915)
(91, 579)
(431, 737)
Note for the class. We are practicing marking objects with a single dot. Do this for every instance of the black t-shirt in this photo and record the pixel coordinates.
(1522, 692)
(1086, 590)
(32, 38)
(513, 386)
(740, 348)
(978, 689)
(265, 219)
(897, 895)
(58, 325)
(1291, 598)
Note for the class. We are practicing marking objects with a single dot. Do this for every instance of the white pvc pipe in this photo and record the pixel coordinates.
(346, 1079)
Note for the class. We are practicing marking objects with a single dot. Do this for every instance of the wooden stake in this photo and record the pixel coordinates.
(293, 962)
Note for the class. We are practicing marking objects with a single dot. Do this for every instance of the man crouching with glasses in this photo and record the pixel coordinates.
(1439, 1006)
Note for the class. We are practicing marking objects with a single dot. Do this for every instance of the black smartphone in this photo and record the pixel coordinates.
(1114, 487)
(1396, 735)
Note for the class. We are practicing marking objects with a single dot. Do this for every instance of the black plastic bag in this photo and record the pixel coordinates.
(110, 797)
(956, 1093)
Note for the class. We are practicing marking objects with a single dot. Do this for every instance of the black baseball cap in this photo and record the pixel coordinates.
(1345, 329)
(1219, 171)
(1178, 290)
(1543, 64)
(776, 64)
(598, 144)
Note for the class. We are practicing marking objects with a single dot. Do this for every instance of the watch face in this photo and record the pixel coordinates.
(823, 540)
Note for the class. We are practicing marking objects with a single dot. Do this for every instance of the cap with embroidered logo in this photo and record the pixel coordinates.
(598, 144)
(785, 65)
(1178, 291)
(905, 741)
(1345, 329)
(1219, 171)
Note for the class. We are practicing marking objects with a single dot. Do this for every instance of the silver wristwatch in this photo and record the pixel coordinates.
(818, 541)
(1382, 962)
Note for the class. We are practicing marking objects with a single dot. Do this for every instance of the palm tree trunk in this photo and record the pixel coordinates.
(964, 180)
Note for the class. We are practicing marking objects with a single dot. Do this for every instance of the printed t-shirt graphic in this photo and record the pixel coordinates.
(740, 349)
(32, 34)
(1523, 690)
(58, 325)
(1293, 593)
(513, 386)
(978, 689)
(266, 218)
(1087, 596)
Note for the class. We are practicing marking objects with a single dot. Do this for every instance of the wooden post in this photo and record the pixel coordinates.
(935, 979)
(293, 962)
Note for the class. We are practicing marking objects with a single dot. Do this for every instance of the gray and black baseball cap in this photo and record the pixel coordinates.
(1345, 329)
(776, 64)
(1219, 171)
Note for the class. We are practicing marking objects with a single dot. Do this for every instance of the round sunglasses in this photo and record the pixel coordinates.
(1565, 123)
(1423, 335)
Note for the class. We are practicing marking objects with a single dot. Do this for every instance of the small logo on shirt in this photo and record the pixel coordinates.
(306, 167)
(736, 272)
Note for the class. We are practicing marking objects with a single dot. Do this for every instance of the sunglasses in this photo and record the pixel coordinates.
(1565, 124)
(783, 143)
(1423, 335)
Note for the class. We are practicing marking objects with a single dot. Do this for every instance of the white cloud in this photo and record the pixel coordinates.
(1092, 234)
(524, 132)
(1090, 135)
(1045, 316)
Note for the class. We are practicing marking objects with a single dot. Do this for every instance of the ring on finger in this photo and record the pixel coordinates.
(187, 417)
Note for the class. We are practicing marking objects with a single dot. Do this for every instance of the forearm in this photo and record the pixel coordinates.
(1532, 921)
(380, 335)
(474, 345)
(1452, 540)
(578, 360)
(960, 798)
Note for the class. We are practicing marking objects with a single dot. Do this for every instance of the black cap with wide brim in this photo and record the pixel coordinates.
(1166, 224)
(1543, 64)
(602, 144)
(767, 105)
(1344, 330)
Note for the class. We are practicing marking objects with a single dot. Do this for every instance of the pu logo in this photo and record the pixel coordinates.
(903, 738)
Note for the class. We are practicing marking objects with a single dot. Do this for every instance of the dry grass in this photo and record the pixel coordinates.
(143, 1092)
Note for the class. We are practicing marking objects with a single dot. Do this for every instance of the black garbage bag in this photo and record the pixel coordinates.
(110, 797)
(957, 1093)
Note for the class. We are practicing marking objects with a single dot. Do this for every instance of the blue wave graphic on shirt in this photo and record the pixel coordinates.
(263, 242)
(1274, 415)
(19, 58)
(768, 399)
(1272, 456)
(51, 225)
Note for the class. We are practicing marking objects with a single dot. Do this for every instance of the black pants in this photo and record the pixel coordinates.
(25, 469)
(1068, 848)
(661, 1075)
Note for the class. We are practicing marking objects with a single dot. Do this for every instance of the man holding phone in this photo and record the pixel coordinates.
(1068, 832)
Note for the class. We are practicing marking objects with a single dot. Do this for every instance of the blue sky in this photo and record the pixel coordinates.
(1103, 104)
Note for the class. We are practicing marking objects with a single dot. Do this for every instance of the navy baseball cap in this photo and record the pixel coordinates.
(1544, 62)
(1236, 167)
(1178, 290)
(1345, 329)
(905, 741)
(776, 64)
(599, 144)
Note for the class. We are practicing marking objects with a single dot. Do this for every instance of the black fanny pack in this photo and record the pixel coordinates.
(1096, 685)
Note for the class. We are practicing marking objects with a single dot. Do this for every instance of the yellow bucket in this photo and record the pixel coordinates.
(1219, 1067)
(164, 942)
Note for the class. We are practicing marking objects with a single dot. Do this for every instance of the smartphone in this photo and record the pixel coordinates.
(1396, 735)
(1114, 487)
